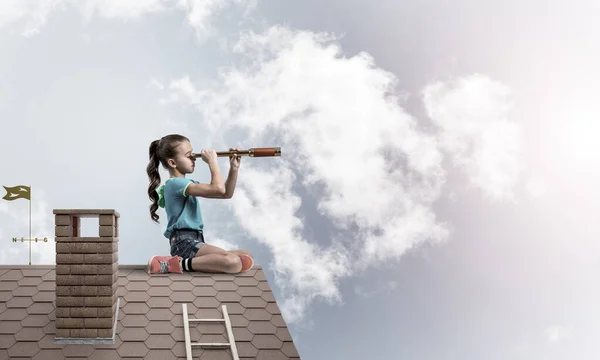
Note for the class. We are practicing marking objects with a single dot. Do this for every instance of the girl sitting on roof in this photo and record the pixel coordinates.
(178, 196)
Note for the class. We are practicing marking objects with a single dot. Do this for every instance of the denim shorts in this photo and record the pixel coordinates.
(186, 243)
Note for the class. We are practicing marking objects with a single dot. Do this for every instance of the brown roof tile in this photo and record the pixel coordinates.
(160, 341)
(133, 334)
(253, 302)
(150, 321)
(264, 341)
(136, 296)
(283, 334)
(10, 327)
(246, 349)
(211, 328)
(6, 295)
(23, 349)
(257, 314)
(270, 355)
(225, 286)
(182, 297)
(202, 281)
(132, 349)
(72, 350)
(49, 354)
(228, 296)
(25, 291)
(245, 281)
(156, 314)
(181, 286)
(157, 354)
(158, 302)
(7, 341)
(262, 327)
(250, 291)
(44, 296)
(238, 321)
(208, 302)
(160, 327)
(204, 291)
(242, 334)
(289, 349)
(30, 334)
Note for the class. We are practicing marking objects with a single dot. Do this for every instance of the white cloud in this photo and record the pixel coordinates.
(35, 14)
(472, 113)
(200, 12)
(341, 127)
(557, 333)
(122, 9)
(383, 288)
(222, 243)
(536, 187)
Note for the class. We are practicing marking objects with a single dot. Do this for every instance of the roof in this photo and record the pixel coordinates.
(150, 320)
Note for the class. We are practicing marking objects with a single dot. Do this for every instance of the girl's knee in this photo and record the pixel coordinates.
(233, 263)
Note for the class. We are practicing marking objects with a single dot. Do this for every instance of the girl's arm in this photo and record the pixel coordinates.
(230, 183)
(216, 188)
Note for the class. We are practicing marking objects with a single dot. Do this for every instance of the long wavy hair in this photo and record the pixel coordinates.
(160, 152)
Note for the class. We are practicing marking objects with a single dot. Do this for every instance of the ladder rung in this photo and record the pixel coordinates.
(212, 345)
(206, 320)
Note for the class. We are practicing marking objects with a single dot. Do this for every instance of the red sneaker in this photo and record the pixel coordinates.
(164, 265)
(247, 262)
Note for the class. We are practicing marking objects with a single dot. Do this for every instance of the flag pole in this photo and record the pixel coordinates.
(30, 224)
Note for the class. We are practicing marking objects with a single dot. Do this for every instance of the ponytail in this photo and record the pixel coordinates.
(154, 177)
(160, 151)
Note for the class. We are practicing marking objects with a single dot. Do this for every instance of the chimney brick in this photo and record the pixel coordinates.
(86, 276)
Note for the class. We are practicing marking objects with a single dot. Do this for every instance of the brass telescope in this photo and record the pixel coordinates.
(252, 152)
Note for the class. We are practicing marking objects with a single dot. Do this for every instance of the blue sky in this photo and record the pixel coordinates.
(437, 192)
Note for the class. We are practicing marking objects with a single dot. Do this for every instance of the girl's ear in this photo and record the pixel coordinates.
(171, 163)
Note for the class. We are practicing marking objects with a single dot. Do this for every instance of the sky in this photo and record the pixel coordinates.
(437, 189)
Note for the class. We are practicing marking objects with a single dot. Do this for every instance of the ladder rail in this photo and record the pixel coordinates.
(230, 333)
(186, 326)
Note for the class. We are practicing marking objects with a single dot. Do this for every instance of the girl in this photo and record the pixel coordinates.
(178, 196)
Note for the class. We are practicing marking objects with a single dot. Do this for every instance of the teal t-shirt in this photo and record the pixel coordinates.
(183, 212)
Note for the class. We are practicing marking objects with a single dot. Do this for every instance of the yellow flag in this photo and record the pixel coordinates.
(17, 192)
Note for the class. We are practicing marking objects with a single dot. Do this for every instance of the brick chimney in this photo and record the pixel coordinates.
(86, 277)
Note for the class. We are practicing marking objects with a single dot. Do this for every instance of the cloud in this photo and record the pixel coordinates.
(536, 187)
(122, 9)
(344, 137)
(199, 13)
(383, 288)
(472, 114)
(34, 13)
(557, 333)
(222, 243)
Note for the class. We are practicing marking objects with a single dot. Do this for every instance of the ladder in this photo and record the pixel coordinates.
(189, 344)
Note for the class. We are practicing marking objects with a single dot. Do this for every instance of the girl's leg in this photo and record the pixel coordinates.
(241, 252)
(211, 258)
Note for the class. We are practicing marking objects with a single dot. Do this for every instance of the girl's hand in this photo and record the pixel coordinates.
(234, 160)
(208, 155)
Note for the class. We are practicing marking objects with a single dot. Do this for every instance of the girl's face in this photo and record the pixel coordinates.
(184, 162)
